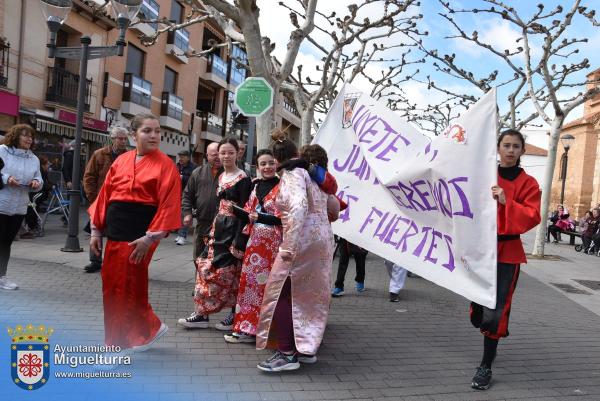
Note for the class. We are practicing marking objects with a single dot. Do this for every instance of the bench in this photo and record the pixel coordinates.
(572, 235)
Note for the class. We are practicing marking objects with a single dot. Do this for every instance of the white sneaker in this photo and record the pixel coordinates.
(176, 240)
(6, 284)
(236, 338)
(180, 241)
(161, 332)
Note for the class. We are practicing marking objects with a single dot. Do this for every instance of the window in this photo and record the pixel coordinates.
(170, 81)
(238, 72)
(182, 39)
(149, 11)
(176, 12)
(135, 61)
(4, 53)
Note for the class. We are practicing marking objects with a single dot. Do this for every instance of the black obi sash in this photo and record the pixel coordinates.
(508, 237)
(128, 221)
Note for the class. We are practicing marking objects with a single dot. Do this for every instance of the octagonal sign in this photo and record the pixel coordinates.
(254, 97)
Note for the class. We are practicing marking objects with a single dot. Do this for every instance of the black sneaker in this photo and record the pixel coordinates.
(92, 268)
(394, 297)
(226, 324)
(194, 322)
(482, 378)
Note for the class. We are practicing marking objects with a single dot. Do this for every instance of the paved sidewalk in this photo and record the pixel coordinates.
(422, 348)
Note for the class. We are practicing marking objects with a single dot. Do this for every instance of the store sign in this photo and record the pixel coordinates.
(88, 122)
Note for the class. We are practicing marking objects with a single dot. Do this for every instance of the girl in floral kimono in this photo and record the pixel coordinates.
(301, 270)
(219, 265)
(264, 230)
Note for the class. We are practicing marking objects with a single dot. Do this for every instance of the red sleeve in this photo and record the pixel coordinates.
(343, 205)
(520, 215)
(167, 216)
(97, 209)
(329, 186)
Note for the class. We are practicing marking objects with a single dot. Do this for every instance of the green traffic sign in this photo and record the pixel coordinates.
(254, 97)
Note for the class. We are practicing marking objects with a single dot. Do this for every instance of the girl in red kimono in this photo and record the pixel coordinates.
(138, 205)
(518, 196)
(264, 230)
(219, 265)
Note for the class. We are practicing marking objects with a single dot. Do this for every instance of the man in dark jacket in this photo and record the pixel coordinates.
(67, 165)
(95, 174)
(200, 194)
(185, 168)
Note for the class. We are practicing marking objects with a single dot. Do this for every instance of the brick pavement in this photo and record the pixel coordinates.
(422, 348)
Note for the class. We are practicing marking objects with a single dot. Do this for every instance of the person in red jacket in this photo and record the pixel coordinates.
(518, 197)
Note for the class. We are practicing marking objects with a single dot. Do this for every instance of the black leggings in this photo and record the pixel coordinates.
(359, 257)
(554, 231)
(10, 227)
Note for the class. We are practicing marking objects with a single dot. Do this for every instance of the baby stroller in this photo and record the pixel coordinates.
(594, 243)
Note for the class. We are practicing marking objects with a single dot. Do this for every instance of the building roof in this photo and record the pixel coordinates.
(532, 150)
(589, 119)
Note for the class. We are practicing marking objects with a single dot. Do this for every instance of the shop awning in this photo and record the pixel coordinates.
(53, 127)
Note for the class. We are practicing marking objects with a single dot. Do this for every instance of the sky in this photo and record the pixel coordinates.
(492, 30)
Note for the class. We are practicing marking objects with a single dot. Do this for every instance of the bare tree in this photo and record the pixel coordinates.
(355, 43)
(546, 80)
(352, 33)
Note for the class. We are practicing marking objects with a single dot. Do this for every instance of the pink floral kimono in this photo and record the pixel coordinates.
(308, 237)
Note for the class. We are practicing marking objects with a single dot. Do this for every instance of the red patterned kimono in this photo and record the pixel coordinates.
(261, 250)
(147, 189)
(219, 267)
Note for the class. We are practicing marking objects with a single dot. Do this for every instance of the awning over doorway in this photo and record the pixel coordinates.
(56, 128)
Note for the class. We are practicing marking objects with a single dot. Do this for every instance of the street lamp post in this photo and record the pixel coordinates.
(56, 12)
(567, 140)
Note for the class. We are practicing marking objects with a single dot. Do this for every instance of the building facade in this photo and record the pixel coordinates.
(192, 96)
(582, 181)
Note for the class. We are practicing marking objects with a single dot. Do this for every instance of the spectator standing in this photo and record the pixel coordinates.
(240, 156)
(31, 218)
(185, 168)
(67, 165)
(20, 175)
(199, 198)
(95, 174)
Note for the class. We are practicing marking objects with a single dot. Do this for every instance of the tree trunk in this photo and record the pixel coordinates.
(264, 127)
(306, 126)
(540, 234)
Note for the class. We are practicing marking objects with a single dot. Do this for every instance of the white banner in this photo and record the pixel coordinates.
(423, 203)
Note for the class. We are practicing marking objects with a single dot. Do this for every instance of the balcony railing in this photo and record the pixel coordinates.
(62, 88)
(171, 106)
(290, 107)
(210, 122)
(137, 90)
(216, 65)
(149, 11)
(180, 38)
(4, 54)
